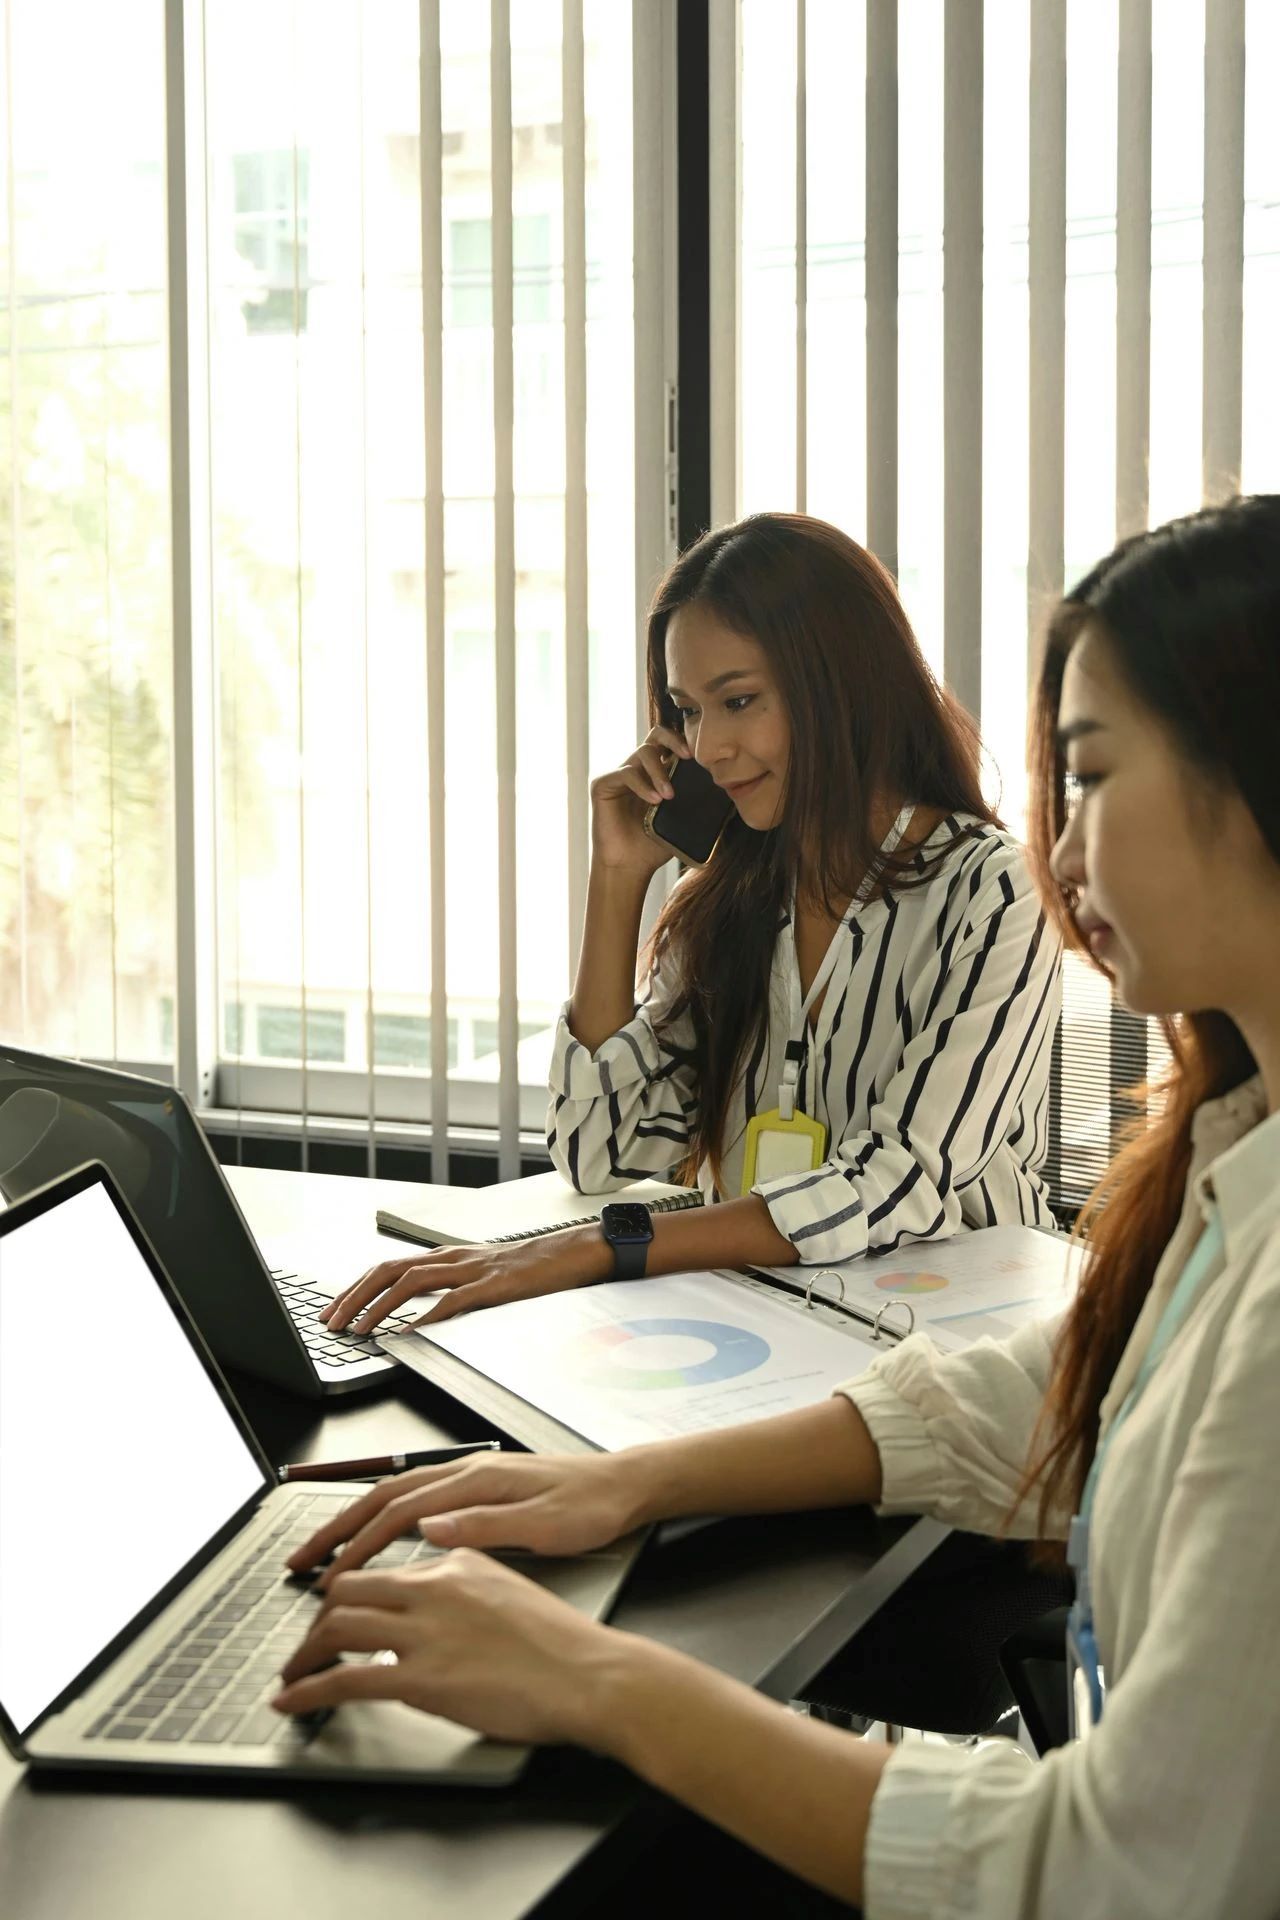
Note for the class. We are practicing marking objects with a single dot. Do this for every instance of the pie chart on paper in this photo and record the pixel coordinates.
(664, 1352)
(912, 1282)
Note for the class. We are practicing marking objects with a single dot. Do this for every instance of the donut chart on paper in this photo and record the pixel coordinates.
(600, 1355)
(912, 1282)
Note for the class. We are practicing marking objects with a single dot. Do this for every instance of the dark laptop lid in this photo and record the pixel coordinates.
(55, 1114)
(124, 1460)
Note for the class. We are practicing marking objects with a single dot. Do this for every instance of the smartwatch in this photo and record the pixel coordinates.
(628, 1230)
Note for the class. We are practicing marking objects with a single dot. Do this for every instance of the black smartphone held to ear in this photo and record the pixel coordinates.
(693, 821)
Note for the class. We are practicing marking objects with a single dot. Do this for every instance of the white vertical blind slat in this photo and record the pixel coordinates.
(962, 352)
(725, 223)
(1223, 246)
(504, 583)
(431, 167)
(802, 265)
(371, 1085)
(1047, 281)
(882, 281)
(653, 271)
(299, 615)
(648, 70)
(195, 1019)
(1133, 268)
(576, 659)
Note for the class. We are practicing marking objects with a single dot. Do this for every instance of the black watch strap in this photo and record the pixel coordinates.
(630, 1259)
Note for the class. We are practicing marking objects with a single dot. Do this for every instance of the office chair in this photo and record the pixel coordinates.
(933, 1656)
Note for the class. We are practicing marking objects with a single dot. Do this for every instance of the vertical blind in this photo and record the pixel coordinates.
(338, 414)
(339, 349)
(456, 438)
(1019, 302)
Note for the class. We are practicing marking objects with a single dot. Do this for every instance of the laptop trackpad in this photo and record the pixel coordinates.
(373, 1736)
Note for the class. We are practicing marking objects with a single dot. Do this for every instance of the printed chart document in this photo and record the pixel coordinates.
(975, 1286)
(637, 1360)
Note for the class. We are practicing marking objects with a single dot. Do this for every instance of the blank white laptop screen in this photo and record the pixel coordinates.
(118, 1458)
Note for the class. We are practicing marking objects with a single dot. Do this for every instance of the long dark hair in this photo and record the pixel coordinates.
(1190, 615)
(867, 720)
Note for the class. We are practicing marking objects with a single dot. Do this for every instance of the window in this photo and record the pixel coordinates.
(404, 1040)
(86, 661)
(235, 1031)
(331, 809)
(471, 277)
(271, 198)
(280, 1034)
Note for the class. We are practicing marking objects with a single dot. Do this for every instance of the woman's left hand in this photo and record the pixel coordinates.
(473, 1641)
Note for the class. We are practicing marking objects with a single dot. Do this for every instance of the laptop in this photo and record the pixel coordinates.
(144, 1627)
(55, 1114)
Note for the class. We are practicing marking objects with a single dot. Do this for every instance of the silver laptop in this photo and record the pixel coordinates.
(144, 1609)
(55, 1114)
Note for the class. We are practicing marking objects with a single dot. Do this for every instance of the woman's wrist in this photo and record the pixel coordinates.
(590, 1255)
(624, 1678)
(625, 876)
(652, 1481)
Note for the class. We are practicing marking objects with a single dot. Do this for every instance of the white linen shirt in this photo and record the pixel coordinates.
(929, 1065)
(1170, 1810)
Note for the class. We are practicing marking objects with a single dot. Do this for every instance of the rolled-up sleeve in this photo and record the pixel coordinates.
(984, 1030)
(954, 1430)
(1168, 1808)
(624, 1112)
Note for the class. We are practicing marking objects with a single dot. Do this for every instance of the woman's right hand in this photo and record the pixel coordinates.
(620, 800)
(547, 1503)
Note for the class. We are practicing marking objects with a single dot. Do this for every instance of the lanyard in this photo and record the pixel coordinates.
(1086, 1700)
(794, 1056)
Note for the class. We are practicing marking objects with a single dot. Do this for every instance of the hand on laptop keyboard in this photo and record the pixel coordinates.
(334, 1349)
(468, 1277)
(473, 1640)
(548, 1503)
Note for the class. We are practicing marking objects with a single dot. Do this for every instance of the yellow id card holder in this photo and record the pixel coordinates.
(775, 1146)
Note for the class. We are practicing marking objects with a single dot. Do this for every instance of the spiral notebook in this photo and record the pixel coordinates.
(519, 1209)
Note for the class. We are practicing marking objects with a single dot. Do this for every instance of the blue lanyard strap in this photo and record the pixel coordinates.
(1206, 1257)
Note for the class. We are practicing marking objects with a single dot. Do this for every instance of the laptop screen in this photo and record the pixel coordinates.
(119, 1459)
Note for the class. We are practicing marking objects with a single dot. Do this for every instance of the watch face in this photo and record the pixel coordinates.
(626, 1222)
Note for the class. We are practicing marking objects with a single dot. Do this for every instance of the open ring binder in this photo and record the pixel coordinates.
(907, 1308)
(828, 1274)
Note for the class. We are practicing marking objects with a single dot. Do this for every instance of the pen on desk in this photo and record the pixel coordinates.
(381, 1463)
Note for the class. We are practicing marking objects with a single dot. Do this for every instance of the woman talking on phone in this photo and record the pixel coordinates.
(848, 1010)
(1139, 1430)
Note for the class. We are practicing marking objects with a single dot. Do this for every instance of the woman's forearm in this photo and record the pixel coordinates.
(733, 1233)
(604, 991)
(793, 1789)
(820, 1456)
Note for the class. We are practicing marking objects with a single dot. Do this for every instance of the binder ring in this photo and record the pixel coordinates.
(907, 1308)
(828, 1274)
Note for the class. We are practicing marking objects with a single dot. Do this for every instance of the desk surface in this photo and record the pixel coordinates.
(767, 1600)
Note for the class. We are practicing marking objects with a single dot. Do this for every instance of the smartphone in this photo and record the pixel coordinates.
(693, 821)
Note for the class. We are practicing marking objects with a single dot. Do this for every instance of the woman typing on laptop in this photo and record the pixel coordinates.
(1139, 1430)
(849, 1008)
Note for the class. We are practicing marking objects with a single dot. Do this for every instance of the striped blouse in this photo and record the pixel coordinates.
(929, 1065)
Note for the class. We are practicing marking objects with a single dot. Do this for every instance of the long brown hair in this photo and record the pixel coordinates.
(1190, 614)
(867, 720)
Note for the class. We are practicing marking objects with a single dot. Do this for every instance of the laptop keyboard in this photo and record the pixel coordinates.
(211, 1685)
(334, 1349)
